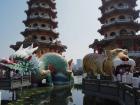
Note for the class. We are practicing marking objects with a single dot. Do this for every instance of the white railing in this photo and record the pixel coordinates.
(38, 27)
(107, 0)
(45, 6)
(108, 38)
(44, 41)
(119, 20)
(40, 5)
(36, 16)
(45, 28)
(121, 8)
(134, 53)
(109, 10)
(34, 6)
(32, 28)
(123, 20)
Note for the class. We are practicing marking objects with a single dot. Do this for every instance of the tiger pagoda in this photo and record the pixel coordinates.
(41, 28)
(119, 28)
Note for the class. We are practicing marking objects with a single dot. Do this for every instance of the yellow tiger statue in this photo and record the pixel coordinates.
(104, 64)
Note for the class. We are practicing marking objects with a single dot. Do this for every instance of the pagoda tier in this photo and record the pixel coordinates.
(42, 20)
(107, 3)
(51, 3)
(49, 11)
(116, 11)
(40, 28)
(56, 45)
(40, 32)
(118, 39)
(125, 24)
(45, 47)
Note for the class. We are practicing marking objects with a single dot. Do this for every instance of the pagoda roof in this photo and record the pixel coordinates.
(100, 43)
(50, 2)
(28, 32)
(107, 3)
(19, 43)
(49, 21)
(53, 45)
(134, 13)
(40, 9)
(104, 42)
(40, 44)
(130, 24)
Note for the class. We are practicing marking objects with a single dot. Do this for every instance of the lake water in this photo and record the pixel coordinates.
(63, 95)
(60, 95)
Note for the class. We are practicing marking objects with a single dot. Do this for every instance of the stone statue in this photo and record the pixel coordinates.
(107, 63)
(51, 66)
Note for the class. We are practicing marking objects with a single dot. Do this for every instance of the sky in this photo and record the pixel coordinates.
(77, 25)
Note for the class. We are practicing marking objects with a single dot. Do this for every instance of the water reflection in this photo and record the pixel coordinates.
(88, 100)
(56, 96)
(61, 96)
(64, 95)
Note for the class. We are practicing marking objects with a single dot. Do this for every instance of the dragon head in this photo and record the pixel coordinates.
(23, 60)
(23, 54)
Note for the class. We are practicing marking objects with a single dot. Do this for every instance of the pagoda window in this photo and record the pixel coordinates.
(112, 19)
(112, 34)
(34, 37)
(43, 25)
(50, 39)
(43, 38)
(35, 25)
(123, 31)
(112, 7)
(37, 4)
(36, 13)
(121, 5)
(43, 4)
(122, 17)
(42, 14)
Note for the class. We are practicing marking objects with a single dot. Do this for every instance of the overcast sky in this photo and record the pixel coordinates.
(77, 24)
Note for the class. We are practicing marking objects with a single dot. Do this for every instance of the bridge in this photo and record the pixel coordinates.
(122, 93)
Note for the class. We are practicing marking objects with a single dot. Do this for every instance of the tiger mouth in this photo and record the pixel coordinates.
(123, 65)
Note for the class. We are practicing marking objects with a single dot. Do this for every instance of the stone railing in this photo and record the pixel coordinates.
(115, 91)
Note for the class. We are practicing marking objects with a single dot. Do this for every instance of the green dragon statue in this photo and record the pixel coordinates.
(51, 66)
